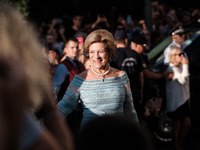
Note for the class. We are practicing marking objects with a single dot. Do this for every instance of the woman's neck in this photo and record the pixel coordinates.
(100, 72)
(176, 64)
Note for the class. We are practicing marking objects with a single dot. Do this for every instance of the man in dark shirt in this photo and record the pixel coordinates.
(129, 60)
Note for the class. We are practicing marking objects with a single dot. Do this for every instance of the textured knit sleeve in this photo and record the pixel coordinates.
(70, 99)
(129, 109)
(181, 75)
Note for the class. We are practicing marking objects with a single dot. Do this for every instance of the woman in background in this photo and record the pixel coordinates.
(178, 95)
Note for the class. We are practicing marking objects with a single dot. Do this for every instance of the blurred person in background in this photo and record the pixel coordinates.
(76, 26)
(114, 132)
(82, 55)
(26, 89)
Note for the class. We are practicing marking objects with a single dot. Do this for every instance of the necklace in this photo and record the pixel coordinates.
(103, 74)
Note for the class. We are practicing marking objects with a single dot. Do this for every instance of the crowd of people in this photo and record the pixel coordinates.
(100, 65)
(164, 19)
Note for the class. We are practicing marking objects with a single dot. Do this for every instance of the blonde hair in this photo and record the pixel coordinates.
(19, 41)
(172, 53)
(104, 36)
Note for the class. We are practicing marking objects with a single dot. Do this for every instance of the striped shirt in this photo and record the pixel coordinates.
(112, 96)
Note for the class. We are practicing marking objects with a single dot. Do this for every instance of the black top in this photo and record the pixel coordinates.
(129, 61)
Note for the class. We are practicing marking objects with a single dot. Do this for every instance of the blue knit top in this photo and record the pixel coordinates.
(111, 96)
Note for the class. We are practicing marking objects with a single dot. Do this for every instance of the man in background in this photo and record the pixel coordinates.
(67, 69)
(178, 39)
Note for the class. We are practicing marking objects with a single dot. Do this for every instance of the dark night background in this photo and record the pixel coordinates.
(43, 10)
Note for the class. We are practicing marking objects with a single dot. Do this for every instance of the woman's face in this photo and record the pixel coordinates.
(98, 55)
(178, 56)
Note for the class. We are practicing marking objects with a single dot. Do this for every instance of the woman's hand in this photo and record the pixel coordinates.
(185, 60)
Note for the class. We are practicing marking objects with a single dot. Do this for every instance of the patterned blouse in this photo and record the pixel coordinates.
(100, 97)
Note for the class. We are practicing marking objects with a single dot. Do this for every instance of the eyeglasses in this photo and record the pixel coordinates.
(180, 54)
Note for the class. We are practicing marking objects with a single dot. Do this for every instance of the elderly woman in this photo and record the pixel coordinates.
(103, 90)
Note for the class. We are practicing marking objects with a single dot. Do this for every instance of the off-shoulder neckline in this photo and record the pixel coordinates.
(106, 79)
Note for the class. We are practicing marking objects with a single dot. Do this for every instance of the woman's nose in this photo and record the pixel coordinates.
(97, 55)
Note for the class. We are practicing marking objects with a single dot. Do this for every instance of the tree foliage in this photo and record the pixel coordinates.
(21, 5)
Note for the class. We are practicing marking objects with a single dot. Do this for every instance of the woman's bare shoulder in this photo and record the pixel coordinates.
(117, 72)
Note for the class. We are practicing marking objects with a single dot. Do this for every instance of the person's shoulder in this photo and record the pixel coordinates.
(134, 54)
(121, 75)
(82, 64)
(132, 51)
(172, 43)
(83, 74)
(117, 72)
(61, 66)
(127, 52)
(79, 61)
(122, 49)
(64, 60)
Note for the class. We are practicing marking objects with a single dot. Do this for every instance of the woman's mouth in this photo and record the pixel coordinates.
(97, 61)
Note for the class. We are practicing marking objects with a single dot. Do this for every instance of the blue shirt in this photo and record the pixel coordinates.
(61, 73)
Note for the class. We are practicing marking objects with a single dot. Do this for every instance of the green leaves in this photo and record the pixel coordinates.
(21, 5)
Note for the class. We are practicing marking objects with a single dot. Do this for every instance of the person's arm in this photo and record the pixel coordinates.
(184, 75)
(100, 19)
(70, 99)
(60, 74)
(141, 85)
(152, 75)
(129, 109)
(54, 22)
